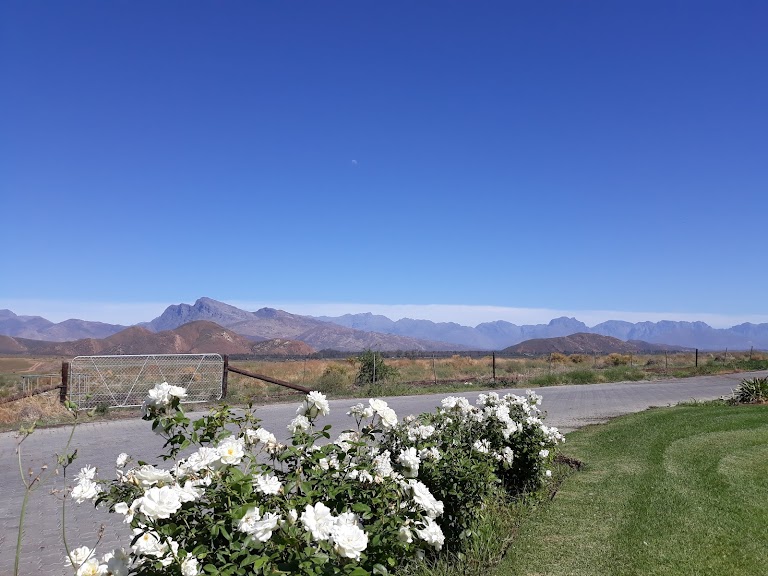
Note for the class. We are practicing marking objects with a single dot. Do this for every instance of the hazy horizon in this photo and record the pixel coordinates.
(466, 315)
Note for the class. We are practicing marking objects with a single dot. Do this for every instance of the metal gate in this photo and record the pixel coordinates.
(117, 381)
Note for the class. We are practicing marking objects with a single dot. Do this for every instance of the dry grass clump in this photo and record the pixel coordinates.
(617, 359)
(461, 363)
(43, 407)
(558, 358)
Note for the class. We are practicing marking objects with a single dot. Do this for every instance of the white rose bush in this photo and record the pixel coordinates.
(465, 453)
(233, 500)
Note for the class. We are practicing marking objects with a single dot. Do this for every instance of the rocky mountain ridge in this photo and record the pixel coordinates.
(196, 337)
(501, 334)
(354, 332)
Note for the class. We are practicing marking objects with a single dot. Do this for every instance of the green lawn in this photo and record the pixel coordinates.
(669, 491)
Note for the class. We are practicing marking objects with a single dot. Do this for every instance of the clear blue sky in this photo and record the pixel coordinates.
(561, 155)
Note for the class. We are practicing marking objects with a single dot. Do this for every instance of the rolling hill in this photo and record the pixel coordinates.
(583, 343)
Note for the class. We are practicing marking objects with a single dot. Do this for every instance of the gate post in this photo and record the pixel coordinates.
(64, 382)
(224, 377)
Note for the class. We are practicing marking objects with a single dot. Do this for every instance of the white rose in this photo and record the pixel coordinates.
(349, 540)
(147, 475)
(299, 424)
(147, 544)
(122, 460)
(261, 435)
(206, 458)
(361, 411)
(431, 453)
(405, 535)
(87, 473)
(410, 460)
(189, 492)
(231, 451)
(160, 502)
(248, 521)
(267, 484)
(85, 490)
(318, 520)
(347, 518)
(122, 508)
(189, 566)
(90, 567)
(482, 446)
(262, 529)
(424, 498)
(118, 562)
(383, 465)
(163, 393)
(344, 439)
(377, 404)
(388, 418)
(314, 404)
(78, 556)
(364, 476)
(449, 402)
(431, 534)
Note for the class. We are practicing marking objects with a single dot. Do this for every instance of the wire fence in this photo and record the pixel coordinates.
(33, 382)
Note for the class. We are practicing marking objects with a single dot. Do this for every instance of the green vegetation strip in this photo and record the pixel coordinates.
(669, 491)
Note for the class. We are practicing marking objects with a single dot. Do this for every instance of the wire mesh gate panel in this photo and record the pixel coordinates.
(118, 381)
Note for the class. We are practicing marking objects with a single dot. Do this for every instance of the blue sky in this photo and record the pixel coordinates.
(458, 159)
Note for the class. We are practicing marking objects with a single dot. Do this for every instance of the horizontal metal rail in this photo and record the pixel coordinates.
(23, 395)
(268, 379)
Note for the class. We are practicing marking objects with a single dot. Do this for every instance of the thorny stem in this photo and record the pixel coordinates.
(30, 486)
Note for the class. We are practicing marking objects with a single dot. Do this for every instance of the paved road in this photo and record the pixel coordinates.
(567, 407)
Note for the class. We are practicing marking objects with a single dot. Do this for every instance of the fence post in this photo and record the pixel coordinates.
(697, 358)
(64, 382)
(224, 377)
(750, 352)
(494, 367)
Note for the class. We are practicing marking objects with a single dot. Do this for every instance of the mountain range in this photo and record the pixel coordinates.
(194, 337)
(355, 332)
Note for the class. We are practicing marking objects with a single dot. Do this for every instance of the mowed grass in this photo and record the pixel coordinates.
(680, 490)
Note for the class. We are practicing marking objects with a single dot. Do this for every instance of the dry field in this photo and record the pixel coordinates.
(336, 377)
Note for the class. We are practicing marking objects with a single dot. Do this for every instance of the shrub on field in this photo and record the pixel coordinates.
(578, 358)
(373, 369)
(751, 391)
